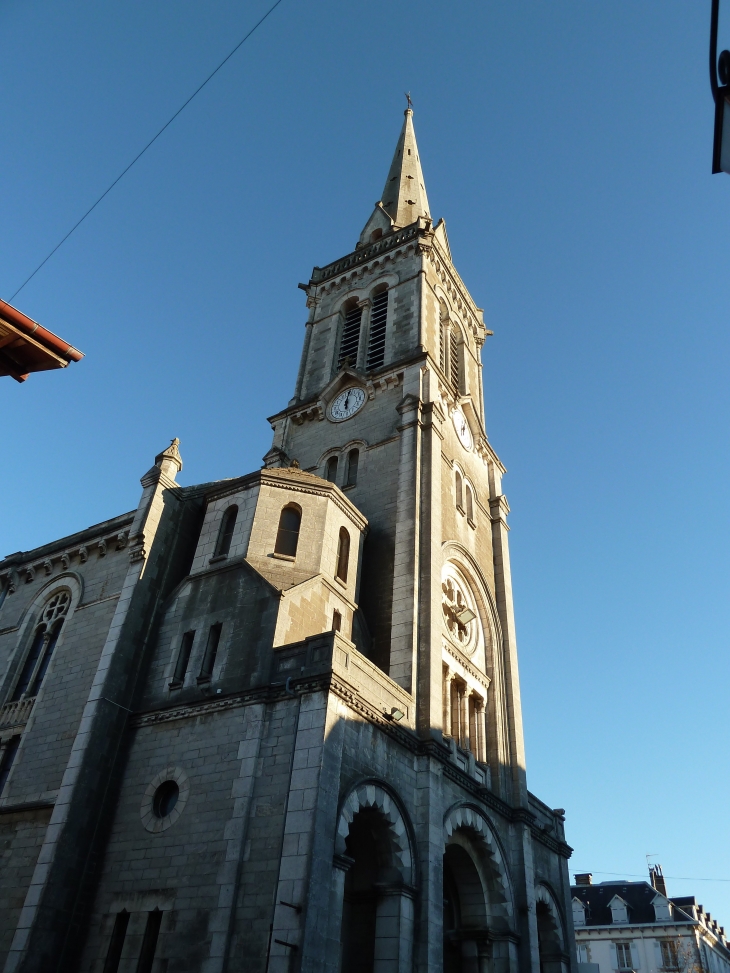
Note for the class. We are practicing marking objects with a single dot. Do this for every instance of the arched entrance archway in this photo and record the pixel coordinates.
(373, 870)
(477, 897)
(550, 939)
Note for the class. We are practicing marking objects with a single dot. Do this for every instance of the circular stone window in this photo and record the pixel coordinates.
(460, 612)
(164, 799)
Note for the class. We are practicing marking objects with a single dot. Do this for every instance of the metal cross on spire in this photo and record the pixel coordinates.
(410, 103)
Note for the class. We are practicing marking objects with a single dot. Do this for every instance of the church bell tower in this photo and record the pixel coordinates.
(389, 405)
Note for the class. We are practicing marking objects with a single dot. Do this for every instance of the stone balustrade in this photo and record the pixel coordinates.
(16, 713)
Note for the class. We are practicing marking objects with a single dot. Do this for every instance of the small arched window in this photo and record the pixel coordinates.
(343, 554)
(287, 536)
(376, 338)
(353, 460)
(331, 469)
(459, 492)
(469, 504)
(350, 341)
(225, 534)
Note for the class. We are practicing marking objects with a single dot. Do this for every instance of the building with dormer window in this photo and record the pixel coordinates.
(635, 926)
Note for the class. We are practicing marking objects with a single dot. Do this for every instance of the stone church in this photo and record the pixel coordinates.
(272, 723)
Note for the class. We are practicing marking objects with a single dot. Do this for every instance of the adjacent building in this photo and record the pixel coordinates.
(623, 926)
(272, 723)
(26, 346)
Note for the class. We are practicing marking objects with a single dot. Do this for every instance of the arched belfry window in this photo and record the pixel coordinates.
(41, 649)
(376, 338)
(225, 534)
(469, 503)
(353, 461)
(343, 554)
(459, 490)
(287, 536)
(350, 340)
(331, 469)
(454, 356)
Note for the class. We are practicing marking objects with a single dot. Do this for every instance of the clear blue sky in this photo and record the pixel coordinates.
(567, 144)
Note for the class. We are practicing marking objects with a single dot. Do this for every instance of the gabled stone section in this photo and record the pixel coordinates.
(376, 227)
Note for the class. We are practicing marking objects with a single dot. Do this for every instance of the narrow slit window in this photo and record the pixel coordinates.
(331, 469)
(7, 759)
(469, 504)
(376, 339)
(149, 942)
(336, 621)
(181, 667)
(343, 554)
(350, 341)
(116, 943)
(353, 460)
(287, 536)
(459, 491)
(211, 650)
(225, 534)
(454, 361)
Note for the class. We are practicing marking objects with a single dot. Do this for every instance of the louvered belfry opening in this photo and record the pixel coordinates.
(350, 337)
(454, 360)
(378, 319)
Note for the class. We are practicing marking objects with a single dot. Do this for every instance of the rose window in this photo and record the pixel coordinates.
(458, 616)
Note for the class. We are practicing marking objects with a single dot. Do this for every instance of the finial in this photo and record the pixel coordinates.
(169, 460)
(295, 464)
(410, 103)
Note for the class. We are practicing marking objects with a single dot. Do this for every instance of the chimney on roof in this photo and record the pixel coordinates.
(656, 877)
(584, 878)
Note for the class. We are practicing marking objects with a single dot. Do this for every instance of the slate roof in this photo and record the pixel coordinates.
(637, 895)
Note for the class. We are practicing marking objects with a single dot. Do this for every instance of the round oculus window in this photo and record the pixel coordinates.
(165, 798)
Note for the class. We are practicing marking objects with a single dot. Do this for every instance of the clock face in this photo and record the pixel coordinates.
(462, 429)
(347, 404)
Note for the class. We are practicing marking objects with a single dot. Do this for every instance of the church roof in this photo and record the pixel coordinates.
(404, 196)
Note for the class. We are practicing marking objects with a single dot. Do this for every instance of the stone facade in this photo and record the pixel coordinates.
(273, 723)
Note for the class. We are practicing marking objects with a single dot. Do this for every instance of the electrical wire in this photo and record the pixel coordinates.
(142, 152)
(674, 878)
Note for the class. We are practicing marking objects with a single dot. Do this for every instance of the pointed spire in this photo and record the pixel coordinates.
(404, 196)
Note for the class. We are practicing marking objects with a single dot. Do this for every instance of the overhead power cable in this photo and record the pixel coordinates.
(674, 878)
(151, 142)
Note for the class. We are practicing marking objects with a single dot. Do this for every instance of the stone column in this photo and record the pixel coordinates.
(405, 567)
(430, 662)
(455, 716)
(341, 865)
(362, 348)
(394, 931)
(463, 716)
(498, 509)
(446, 689)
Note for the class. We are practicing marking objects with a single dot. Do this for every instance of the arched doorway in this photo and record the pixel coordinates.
(553, 958)
(466, 936)
(374, 862)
